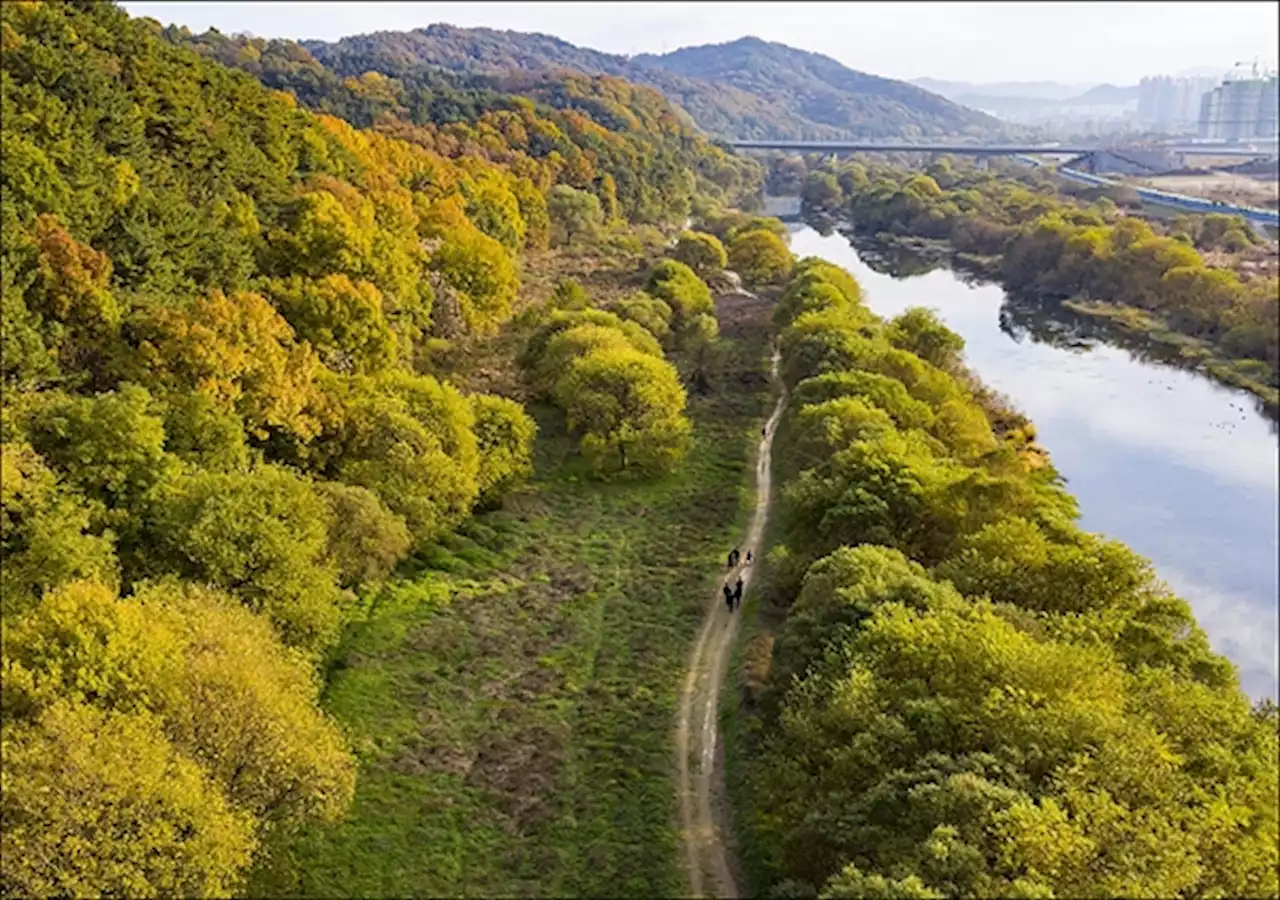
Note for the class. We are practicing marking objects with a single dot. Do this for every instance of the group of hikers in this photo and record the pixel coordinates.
(733, 595)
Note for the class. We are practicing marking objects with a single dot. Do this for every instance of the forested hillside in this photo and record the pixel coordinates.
(821, 90)
(225, 419)
(744, 89)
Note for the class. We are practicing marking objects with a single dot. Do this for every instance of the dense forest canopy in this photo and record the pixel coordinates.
(223, 422)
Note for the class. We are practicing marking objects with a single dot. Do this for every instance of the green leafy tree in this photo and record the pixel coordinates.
(410, 440)
(504, 440)
(261, 534)
(627, 407)
(575, 215)
(204, 433)
(701, 252)
(342, 319)
(760, 257)
(110, 447)
(222, 688)
(650, 313)
(366, 540)
(677, 285)
(822, 191)
(481, 276)
(920, 331)
(44, 532)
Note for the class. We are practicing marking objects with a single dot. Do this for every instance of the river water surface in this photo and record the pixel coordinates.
(1178, 467)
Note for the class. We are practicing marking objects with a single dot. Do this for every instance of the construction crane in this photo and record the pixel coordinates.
(1256, 68)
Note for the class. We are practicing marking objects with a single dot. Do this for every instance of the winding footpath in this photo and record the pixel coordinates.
(703, 809)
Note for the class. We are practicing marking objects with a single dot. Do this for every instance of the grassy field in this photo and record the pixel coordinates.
(512, 701)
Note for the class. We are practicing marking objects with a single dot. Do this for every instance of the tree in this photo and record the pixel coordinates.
(482, 276)
(222, 688)
(681, 289)
(888, 394)
(809, 294)
(760, 257)
(410, 440)
(44, 532)
(822, 191)
(237, 349)
(578, 341)
(650, 313)
(533, 208)
(102, 803)
(342, 319)
(945, 742)
(110, 447)
(699, 343)
(813, 269)
(574, 214)
(493, 208)
(504, 439)
(366, 540)
(623, 402)
(920, 331)
(71, 292)
(701, 252)
(261, 534)
(205, 433)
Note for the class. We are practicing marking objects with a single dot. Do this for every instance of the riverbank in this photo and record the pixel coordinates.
(957, 648)
(1124, 326)
(1181, 467)
(1194, 354)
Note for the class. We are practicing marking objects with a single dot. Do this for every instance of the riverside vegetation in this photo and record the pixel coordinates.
(367, 449)
(1189, 283)
(951, 690)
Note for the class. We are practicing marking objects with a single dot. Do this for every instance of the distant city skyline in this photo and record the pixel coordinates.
(966, 42)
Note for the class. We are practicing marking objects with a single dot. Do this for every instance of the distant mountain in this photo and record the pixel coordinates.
(1105, 95)
(1031, 90)
(1034, 101)
(746, 89)
(1004, 107)
(822, 90)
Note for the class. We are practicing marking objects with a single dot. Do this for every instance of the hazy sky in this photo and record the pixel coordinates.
(1068, 42)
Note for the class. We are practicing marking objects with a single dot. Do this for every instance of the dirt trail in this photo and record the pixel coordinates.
(702, 818)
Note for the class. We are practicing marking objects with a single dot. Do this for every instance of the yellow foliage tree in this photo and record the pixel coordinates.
(237, 349)
(101, 804)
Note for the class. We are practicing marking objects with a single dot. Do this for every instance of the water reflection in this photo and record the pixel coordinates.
(1022, 317)
(1181, 468)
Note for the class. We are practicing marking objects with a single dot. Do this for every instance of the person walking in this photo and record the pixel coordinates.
(729, 565)
(728, 597)
(737, 594)
(748, 557)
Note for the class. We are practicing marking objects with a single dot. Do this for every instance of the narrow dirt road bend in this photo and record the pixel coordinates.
(706, 853)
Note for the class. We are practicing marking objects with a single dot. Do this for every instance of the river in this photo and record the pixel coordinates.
(1180, 468)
